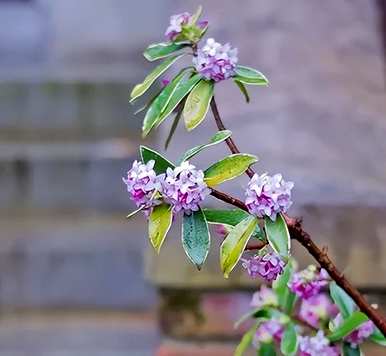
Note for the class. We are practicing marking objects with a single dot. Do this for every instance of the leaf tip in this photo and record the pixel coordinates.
(147, 57)
(144, 133)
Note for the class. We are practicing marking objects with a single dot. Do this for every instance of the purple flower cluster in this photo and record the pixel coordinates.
(175, 26)
(216, 61)
(309, 282)
(317, 310)
(268, 331)
(360, 334)
(267, 266)
(268, 196)
(317, 345)
(143, 184)
(184, 188)
(265, 297)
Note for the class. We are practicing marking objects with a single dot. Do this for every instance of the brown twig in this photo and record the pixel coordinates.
(297, 233)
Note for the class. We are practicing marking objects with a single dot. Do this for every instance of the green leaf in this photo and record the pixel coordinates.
(243, 90)
(161, 163)
(234, 244)
(226, 217)
(228, 168)
(173, 128)
(230, 218)
(250, 76)
(348, 325)
(245, 342)
(147, 105)
(141, 88)
(378, 337)
(280, 285)
(344, 302)
(289, 342)
(195, 237)
(278, 235)
(267, 349)
(347, 350)
(160, 221)
(134, 212)
(153, 114)
(182, 89)
(197, 104)
(218, 137)
(162, 50)
(257, 313)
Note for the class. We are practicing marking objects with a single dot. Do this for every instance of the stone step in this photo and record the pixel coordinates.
(66, 110)
(73, 261)
(65, 175)
(77, 333)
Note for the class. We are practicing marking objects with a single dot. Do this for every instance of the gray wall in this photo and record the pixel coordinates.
(67, 134)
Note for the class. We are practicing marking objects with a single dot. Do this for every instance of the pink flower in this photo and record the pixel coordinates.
(360, 334)
(221, 230)
(268, 196)
(176, 24)
(215, 61)
(308, 282)
(184, 188)
(264, 298)
(317, 345)
(267, 266)
(317, 309)
(143, 184)
(268, 331)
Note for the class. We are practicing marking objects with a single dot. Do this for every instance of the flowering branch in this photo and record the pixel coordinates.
(298, 233)
(163, 189)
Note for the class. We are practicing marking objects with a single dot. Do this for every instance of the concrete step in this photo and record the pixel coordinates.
(75, 333)
(65, 175)
(73, 261)
(66, 110)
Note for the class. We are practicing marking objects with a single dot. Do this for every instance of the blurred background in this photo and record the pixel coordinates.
(76, 278)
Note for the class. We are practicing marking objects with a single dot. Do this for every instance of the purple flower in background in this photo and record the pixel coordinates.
(264, 297)
(184, 187)
(268, 331)
(143, 184)
(309, 282)
(221, 230)
(317, 345)
(268, 196)
(165, 82)
(175, 26)
(317, 309)
(267, 266)
(216, 61)
(360, 334)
